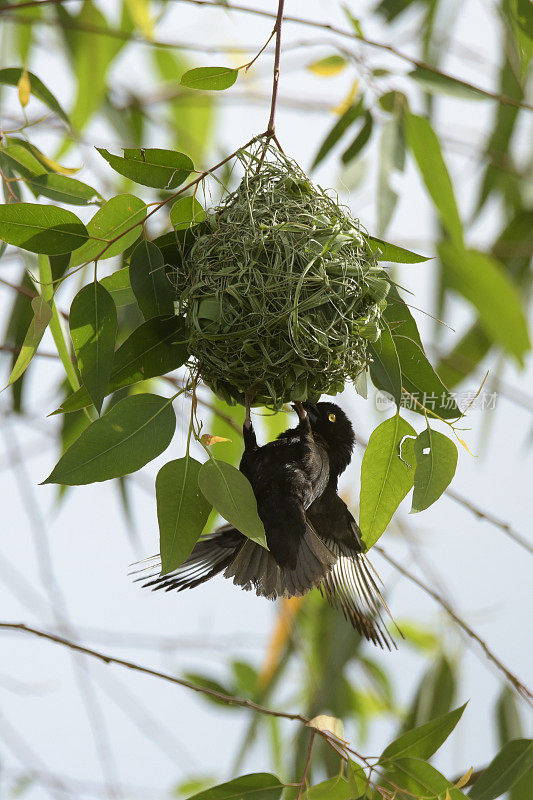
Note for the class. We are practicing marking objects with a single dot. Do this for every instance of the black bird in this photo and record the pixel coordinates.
(313, 539)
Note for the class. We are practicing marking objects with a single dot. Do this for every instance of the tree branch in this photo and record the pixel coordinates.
(118, 34)
(520, 687)
(277, 56)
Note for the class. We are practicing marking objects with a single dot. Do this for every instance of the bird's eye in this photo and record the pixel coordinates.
(332, 418)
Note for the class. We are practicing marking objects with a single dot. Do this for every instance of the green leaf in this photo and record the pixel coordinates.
(360, 140)
(426, 149)
(232, 495)
(114, 219)
(42, 314)
(482, 281)
(93, 327)
(149, 166)
(257, 786)
(119, 287)
(338, 130)
(63, 189)
(336, 788)
(132, 433)
(149, 281)
(10, 76)
(391, 157)
(185, 212)
(91, 60)
(230, 451)
(425, 740)
(154, 348)
(434, 695)
(508, 717)
(182, 511)
(399, 318)
(434, 470)
(445, 84)
(464, 356)
(422, 382)
(513, 761)
(357, 779)
(385, 251)
(192, 123)
(214, 78)
(422, 779)
(41, 229)
(385, 477)
(328, 66)
(385, 367)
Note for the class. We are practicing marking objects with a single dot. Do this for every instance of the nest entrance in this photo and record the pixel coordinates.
(280, 288)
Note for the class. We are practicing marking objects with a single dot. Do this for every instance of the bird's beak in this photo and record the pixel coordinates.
(311, 409)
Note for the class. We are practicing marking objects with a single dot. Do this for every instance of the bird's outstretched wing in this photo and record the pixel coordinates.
(250, 565)
(350, 586)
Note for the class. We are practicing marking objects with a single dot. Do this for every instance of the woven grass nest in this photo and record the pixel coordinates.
(280, 289)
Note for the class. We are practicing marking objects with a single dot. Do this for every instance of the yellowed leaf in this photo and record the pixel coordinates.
(142, 16)
(328, 724)
(327, 67)
(464, 780)
(24, 88)
(209, 439)
(466, 446)
(345, 104)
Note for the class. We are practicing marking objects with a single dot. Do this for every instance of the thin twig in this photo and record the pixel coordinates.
(277, 28)
(308, 761)
(118, 34)
(109, 659)
(520, 687)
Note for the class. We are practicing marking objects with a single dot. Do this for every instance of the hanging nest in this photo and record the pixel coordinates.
(280, 288)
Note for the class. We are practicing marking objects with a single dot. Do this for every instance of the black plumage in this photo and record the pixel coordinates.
(313, 539)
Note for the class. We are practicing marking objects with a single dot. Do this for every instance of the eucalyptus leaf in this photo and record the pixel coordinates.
(10, 76)
(149, 166)
(182, 511)
(120, 218)
(434, 469)
(336, 788)
(93, 327)
(514, 760)
(425, 740)
(231, 494)
(119, 287)
(42, 314)
(133, 432)
(338, 131)
(41, 229)
(149, 281)
(437, 82)
(185, 212)
(385, 368)
(213, 78)
(422, 779)
(385, 251)
(360, 140)
(154, 348)
(385, 477)
(482, 280)
(426, 149)
(257, 786)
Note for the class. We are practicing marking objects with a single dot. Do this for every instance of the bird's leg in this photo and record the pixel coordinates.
(250, 442)
(300, 410)
(247, 404)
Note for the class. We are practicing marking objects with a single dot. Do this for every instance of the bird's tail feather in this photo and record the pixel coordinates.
(346, 581)
(351, 588)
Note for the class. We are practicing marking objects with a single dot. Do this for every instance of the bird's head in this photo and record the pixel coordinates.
(331, 423)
